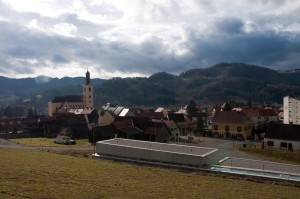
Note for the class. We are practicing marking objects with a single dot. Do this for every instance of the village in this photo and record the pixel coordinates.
(75, 115)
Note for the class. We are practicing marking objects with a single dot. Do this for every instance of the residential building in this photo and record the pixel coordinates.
(291, 110)
(282, 136)
(175, 132)
(162, 110)
(260, 117)
(157, 131)
(230, 124)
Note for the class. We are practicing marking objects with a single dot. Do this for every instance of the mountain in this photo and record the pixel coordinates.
(28, 85)
(216, 84)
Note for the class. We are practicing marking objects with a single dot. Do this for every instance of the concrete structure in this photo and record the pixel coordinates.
(291, 110)
(154, 152)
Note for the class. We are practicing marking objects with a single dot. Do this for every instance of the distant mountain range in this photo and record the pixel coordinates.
(216, 84)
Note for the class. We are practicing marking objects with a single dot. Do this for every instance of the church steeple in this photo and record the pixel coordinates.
(88, 92)
(87, 77)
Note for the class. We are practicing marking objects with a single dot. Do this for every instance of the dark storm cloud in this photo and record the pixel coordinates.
(264, 48)
(30, 41)
(230, 26)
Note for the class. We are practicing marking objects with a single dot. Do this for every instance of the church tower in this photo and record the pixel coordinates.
(88, 92)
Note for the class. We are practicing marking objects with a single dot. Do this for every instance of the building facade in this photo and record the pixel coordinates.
(229, 124)
(65, 103)
(291, 110)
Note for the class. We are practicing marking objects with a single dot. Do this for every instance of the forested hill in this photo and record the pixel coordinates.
(211, 85)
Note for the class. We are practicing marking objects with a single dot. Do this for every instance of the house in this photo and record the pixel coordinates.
(114, 110)
(157, 131)
(282, 136)
(175, 132)
(105, 118)
(291, 110)
(260, 117)
(182, 122)
(229, 124)
(127, 129)
(162, 110)
(99, 133)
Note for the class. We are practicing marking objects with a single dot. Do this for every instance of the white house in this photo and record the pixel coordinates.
(282, 136)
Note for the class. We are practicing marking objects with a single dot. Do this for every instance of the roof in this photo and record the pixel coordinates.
(283, 131)
(169, 123)
(118, 110)
(123, 123)
(160, 109)
(81, 111)
(183, 111)
(229, 117)
(124, 112)
(152, 115)
(260, 112)
(155, 127)
(67, 98)
(130, 131)
(176, 117)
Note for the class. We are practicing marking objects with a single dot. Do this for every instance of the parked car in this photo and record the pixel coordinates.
(63, 139)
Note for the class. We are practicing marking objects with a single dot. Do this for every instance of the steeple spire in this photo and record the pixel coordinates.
(87, 77)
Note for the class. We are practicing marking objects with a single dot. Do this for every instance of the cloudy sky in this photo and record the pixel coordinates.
(140, 37)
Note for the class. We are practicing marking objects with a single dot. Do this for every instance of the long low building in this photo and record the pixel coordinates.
(154, 151)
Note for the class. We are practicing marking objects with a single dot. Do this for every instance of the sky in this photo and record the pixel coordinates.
(136, 38)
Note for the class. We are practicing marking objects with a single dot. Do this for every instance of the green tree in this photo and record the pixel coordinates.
(200, 125)
(191, 108)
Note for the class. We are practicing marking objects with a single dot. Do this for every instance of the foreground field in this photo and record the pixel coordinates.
(38, 174)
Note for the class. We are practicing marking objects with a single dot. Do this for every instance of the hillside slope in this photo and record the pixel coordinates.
(212, 85)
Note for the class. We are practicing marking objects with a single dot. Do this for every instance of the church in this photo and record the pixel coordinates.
(77, 104)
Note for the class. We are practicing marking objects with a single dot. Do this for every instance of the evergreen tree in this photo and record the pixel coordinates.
(200, 125)
(191, 108)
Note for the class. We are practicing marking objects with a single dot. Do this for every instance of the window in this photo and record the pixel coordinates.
(270, 143)
(90, 89)
(215, 127)
(227, 128)
(239, 128)
(283, 144)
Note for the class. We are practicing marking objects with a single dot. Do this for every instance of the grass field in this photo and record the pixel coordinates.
(40, 174)
(48, 142)
(282, 156)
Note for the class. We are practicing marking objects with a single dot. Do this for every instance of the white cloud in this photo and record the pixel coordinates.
(65, 29)
(133, 37)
